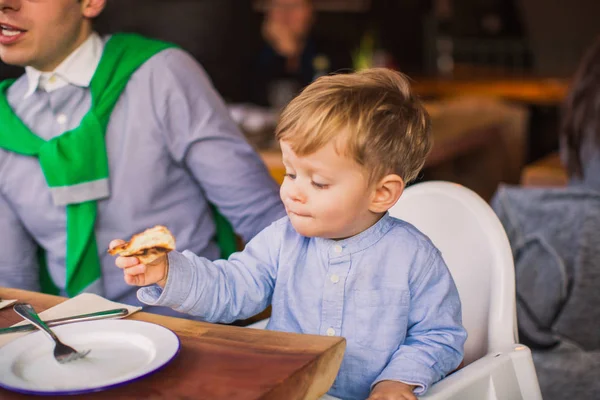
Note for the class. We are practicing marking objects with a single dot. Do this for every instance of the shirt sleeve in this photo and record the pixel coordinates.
(223, 290)
(434, 344)
(201, 135)
(18, 252)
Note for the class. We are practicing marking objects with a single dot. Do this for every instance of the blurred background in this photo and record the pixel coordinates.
(493, 73)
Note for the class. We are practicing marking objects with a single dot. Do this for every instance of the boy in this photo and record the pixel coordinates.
(338, 264)
(96, 124)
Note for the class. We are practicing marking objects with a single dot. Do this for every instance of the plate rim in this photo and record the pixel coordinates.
(95, 389)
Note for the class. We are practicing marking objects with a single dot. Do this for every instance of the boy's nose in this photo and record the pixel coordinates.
(9, 4)
(296, 195)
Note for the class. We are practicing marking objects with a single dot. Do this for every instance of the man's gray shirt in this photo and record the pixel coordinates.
(172, 149)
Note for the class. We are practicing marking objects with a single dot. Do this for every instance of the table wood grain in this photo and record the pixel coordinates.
(525, 89)
(219, 361)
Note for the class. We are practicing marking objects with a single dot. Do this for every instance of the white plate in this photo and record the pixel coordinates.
(121, 351)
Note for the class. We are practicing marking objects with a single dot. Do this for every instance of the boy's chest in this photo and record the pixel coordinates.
(363, 297)
(309, 271)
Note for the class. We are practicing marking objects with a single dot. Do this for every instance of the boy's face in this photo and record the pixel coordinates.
(326, 194)
(42, 33)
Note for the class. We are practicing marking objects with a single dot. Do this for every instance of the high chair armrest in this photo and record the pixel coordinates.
(502, 375)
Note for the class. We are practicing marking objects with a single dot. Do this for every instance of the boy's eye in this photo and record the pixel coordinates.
(291, 176)
(320, 185)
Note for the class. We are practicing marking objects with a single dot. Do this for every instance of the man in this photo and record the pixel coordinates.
(97, 124)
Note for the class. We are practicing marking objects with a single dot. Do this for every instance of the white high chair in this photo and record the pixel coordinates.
(475, 247)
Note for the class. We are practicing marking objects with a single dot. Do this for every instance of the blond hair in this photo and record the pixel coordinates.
(385, 127)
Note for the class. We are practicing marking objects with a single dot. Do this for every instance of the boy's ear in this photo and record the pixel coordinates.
(386, 193)
(92, 8)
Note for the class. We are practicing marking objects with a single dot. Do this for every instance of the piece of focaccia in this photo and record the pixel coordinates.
(147, 246)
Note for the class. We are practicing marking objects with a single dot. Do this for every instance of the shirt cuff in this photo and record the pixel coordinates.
(410, 372)
(177, 288)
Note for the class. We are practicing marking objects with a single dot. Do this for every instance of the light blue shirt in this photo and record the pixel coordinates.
(386, 290)
(172, 149)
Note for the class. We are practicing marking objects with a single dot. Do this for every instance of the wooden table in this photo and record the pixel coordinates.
(219, 361)
(525, 89)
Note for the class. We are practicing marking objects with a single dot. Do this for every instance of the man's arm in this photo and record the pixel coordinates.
(18, 252)
(201, 135)
(434, 343)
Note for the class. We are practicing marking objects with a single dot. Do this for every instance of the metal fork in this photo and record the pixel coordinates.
(62, 353)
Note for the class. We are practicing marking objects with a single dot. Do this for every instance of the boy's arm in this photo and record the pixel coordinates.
(201, 135)
(434, 343)
(223, 290)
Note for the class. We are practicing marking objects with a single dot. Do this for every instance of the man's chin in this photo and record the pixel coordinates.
(8, 59)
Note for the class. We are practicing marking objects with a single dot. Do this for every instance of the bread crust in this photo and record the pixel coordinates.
(147, 246)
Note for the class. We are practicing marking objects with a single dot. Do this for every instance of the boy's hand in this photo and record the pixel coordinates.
(392, 390)
(137, 274)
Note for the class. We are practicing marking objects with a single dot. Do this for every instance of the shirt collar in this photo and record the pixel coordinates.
(77, 69)
(359, 242)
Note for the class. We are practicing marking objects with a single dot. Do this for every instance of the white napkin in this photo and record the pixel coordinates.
(82, 304)
(6, 303)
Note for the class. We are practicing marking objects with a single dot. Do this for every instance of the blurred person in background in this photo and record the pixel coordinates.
(292, 56)
(555, 237)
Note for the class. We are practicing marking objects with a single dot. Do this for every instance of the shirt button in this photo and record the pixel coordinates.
(334, 278)
(61, 119)
(337, 248)
(52, 79)
(330, 332)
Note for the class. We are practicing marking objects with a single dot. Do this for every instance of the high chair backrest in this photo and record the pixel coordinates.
(474, 245)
